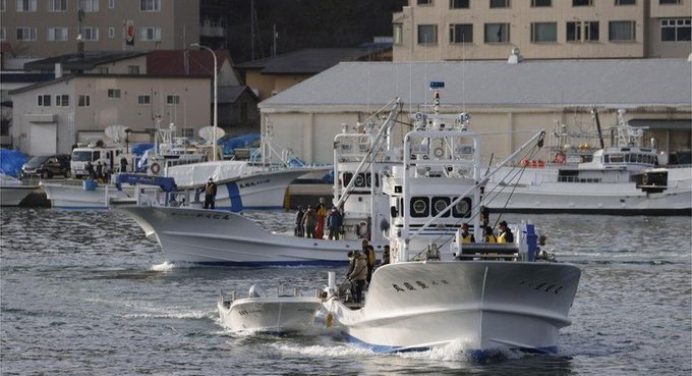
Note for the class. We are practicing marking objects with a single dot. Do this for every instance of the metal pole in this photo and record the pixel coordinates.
(216, 88)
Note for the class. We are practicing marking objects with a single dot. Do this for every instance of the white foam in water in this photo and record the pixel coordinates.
(165, 267)
(328, 351)
(457, 351)
(171, 313)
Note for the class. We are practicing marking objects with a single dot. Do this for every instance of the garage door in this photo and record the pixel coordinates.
(43, 139)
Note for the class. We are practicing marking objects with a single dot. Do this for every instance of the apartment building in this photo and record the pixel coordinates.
(429, 30)
(42, 28)
(49, 117)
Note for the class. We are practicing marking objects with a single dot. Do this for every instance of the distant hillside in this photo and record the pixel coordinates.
(306, 24)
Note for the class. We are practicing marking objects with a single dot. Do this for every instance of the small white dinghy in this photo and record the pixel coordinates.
(279, 314)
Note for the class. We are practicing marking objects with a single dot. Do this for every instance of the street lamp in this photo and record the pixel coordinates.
(216, 105)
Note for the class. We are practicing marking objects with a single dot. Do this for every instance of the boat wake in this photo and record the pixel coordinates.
(459, 351)
(165, 267)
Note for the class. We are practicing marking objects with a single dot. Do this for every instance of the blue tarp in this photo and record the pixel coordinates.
(245, 141)
(11, 162)
(139, 149)
(165, 183)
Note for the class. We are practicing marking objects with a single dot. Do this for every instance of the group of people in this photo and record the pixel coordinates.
(361, 265)
(311, 222)
(100, 172)
(504, 235)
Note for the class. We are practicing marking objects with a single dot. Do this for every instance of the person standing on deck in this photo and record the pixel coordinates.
(334, 224)
(309, 223)
(299, 222)
(210, 194)
(466, 236)
(321, 215)
(358, 276)
(506, 235)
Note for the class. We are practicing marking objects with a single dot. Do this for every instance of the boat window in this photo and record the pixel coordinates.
(96, 156)
(606, 158)
(627, 158)
(439, 204)
(640, 158)
(346, 176)
(462, 209)
(419, 207)
(616, 158)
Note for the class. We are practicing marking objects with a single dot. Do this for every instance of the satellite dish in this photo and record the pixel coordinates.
(116, 132)
(207, 134)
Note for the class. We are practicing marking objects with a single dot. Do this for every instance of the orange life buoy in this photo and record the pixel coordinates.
(155, 168)
(560, 158)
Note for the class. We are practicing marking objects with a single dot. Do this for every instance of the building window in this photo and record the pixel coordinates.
(625, 2)
(150, 34)
(398, 33)
(133, 69)
(26, 5)
(114, 93)
(541, 3)
(581, 3)
(111, 32)
(586, 31)
(143, 99)
(62, 100)
(2, 34)
(26, 33)
(173, 99)
(84, 101)
(427, 34)
(57, 5)
(543, 32)
(621, 31)
(188, 133)
(150, 5)
(111, 4)
(3, 5)
(44, 100)
(90, 33)
(89, 6)
(56, 34)
(461, 33)
(497, 33)
(667, 2)
(458, 4)
(499, 3)
(424, 2)
(675, 30)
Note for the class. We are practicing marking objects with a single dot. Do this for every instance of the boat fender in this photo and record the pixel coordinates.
(155, 168)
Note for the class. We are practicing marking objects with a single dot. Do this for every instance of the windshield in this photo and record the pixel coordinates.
(81, 156)
(37, 161)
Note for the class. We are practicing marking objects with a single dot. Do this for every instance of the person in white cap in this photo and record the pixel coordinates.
(209, 194)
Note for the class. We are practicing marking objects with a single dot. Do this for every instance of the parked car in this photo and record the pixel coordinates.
(47, 166)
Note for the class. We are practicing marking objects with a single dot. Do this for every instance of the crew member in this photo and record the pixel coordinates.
(506, 235)
(210, 194)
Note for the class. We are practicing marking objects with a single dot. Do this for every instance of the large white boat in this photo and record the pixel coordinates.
(261, 313)
(13, 191)
(626, 178)
(440, 290)
(193, 235)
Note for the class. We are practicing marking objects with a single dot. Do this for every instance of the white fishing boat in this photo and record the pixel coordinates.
(242, 184)
(193, 235)
(13, 191)
(282, 313)
(438, 289)
(625, 179)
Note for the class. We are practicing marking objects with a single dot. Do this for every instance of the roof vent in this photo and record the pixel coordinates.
(515, 57)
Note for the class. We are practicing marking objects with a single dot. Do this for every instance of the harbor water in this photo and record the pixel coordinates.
(84, 293)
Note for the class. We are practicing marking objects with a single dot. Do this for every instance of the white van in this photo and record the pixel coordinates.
(109, 156)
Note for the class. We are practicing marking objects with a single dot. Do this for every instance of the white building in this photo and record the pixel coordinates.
(508, 101)
(50, 117)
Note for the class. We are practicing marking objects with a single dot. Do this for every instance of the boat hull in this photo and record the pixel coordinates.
(270, 315)
(491, 305)
(539, 192)
(71, 196)
(224, 238)
(14, 195)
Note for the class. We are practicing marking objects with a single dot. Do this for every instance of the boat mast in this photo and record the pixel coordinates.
(594, 111)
